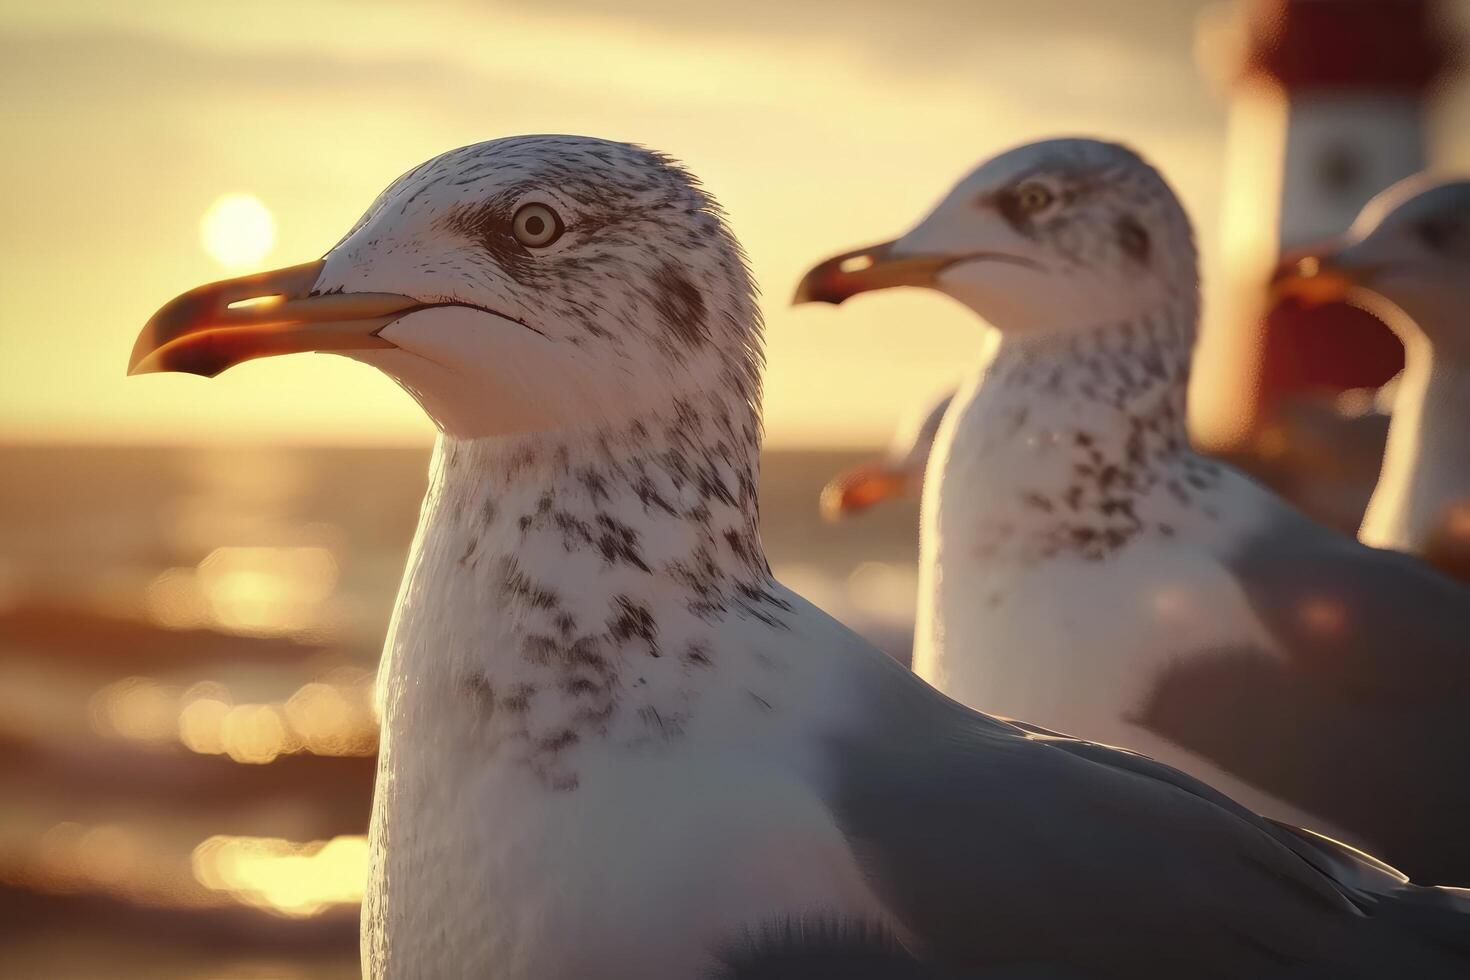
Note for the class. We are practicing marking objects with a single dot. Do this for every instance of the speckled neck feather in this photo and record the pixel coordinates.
(1079, 432)
(602, 564)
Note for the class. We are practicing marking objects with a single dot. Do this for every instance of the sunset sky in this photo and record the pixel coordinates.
(819, 125)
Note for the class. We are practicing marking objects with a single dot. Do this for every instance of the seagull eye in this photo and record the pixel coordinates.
(536, 226)
(1033, 197)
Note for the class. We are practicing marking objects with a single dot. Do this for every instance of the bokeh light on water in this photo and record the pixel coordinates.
(188, 640)
(281, 876)
(259, 591)
(331, 716)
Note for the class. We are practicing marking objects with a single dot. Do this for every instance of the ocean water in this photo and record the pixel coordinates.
(187, 642)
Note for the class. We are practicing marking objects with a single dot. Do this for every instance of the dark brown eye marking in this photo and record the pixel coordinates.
(1023, 203)
(680, 305)
(485, 223)
(488, 225)
(1133, 239)
(1009, 205)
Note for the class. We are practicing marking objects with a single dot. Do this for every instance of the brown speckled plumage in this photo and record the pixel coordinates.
(597, 504)
(1115, 397)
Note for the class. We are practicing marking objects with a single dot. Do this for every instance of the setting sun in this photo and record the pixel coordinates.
(238, 230)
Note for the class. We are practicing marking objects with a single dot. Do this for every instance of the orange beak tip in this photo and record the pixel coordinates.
(810, 291)
(144, 365)
(147, 362)
(841, 277)
(857, 490)
(212, 328)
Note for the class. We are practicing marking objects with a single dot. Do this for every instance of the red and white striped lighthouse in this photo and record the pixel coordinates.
(1328, 106)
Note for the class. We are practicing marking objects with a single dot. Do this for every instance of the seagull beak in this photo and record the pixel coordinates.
(860, 488)
(866, 269)
(225, 323)
(1315, 277)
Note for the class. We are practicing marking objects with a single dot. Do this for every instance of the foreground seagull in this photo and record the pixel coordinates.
(1084, 569)
(1407, 258)
(896, 474)
(614, 746)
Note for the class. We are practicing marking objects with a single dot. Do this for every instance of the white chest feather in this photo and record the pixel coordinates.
(581, 776)
(1069, 550)
(1080, 645)
(1071, 555)
(1073, 644)
(649, 868)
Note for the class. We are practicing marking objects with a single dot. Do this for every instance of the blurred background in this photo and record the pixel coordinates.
(195, 576)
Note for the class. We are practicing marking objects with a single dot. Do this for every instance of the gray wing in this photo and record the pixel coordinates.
(1380, 626)
(1361, 720)
(993, 844)
(1441, 915)
(1389, 772)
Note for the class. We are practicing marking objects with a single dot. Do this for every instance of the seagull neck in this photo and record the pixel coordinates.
(1428, 450)
(571, 586)
(1066, 438)
(1111, 383)
(650, 501)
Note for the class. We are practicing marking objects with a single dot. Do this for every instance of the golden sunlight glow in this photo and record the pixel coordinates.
(173, 601)
(321, 718)
(257, 301)
(293, 879)
(255, 734)
(265, 591)
(238, 230)
(202, 723)
(331, 720)
(332, 716)
(850, 130)
(253, 591)
(135, 708)
(124, 860)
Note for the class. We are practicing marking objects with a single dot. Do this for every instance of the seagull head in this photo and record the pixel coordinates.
(518, 285)
(1052, 235)
(1410, 247)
